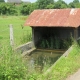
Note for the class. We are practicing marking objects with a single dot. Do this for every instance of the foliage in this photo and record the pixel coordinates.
(8, 9)
(1, 0)
(42, 4)
(26, 38)
(56, 43)
(60, 4)
(64, 67)
(12, 66)
(75, 1)
(27, 8)
(74, 4)
(50, 6)
(71, 5)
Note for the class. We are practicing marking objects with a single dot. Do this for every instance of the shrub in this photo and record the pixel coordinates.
(12, 66)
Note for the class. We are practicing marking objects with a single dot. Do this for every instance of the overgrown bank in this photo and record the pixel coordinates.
(65, 67)
(13, 67)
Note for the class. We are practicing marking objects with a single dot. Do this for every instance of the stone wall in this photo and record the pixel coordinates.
(25, 47)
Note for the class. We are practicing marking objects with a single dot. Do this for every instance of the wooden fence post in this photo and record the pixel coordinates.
(11, 36)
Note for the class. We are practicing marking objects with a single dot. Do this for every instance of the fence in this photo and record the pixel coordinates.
(15, 36)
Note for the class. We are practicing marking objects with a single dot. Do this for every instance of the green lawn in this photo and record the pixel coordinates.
(17, 22)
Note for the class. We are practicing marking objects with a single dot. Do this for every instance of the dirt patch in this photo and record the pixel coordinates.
(75, 76)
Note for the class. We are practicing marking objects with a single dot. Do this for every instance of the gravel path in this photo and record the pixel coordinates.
(75, 76)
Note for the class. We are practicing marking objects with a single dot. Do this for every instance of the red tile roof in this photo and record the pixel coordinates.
(54, 18)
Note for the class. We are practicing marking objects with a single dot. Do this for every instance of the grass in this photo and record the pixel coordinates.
(13, 67)
(18, 28)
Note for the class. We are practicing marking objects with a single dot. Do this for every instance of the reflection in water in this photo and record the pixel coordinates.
(38, 59)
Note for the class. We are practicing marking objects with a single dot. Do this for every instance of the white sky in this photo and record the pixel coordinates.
(68, 1)
(55, 0)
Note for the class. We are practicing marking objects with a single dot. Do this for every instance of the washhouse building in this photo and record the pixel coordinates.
(54, 28)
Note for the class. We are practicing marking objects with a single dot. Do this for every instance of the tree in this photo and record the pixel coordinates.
(74, 4)
(2, 1)
(75, 1)
(7, 9)
(71, 5)
(42, 4)
(26, 9)
(60, 4)
(32, 7)
(50, 6)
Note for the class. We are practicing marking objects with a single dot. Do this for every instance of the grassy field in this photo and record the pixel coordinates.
(17, 22)
(13, 67)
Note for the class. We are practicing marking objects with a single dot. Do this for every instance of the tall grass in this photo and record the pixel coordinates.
(12, 66)
(26, 37)
(56, 43)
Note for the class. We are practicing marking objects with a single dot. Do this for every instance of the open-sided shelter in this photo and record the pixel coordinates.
(60, 23)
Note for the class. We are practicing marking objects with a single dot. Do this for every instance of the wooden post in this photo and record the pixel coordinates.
(33, 35)
(75, 33)
(11, 36)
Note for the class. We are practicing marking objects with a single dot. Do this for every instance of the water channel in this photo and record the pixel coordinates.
(40, 59)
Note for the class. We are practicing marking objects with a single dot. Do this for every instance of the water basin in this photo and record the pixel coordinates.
(40, 59)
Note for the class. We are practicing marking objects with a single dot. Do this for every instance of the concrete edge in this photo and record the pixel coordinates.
(24, 47)
(28, 52)
(64, 55)
(67, 52)
(24, 44)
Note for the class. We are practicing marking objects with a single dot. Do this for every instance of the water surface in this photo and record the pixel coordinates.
(40, 59)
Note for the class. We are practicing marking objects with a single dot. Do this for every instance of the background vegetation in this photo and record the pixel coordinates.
(12, 66)
(55, 43)
(21, 33)
(27, 7)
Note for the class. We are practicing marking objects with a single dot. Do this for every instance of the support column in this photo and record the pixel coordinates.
(33, 34)
(75, 33)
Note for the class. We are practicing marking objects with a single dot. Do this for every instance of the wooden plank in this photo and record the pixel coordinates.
(75, 33)
(11, 36)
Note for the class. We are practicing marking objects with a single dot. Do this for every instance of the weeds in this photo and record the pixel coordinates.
(56, 43)
(26, 38)
(65, 66)
(12, 66)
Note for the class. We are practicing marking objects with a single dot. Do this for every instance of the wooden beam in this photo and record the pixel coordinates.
(75, 33)
(33, 35)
